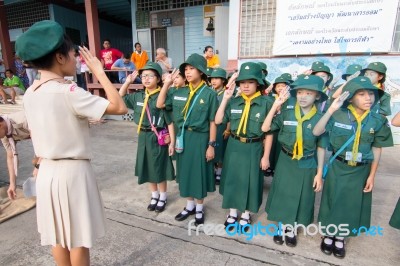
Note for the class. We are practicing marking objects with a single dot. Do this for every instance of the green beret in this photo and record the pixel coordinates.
(218, 73)
(250, 70)
(310, 82)
(361, 83)
(152, 66)
(39, 40)
(197, 61)
(350, 70)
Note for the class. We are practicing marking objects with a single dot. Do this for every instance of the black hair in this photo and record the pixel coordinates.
(107, 40)
(138, 43)
(46, 61)
(1, 119)
(160, 83)
(207, 47)
(9, 70)
(224, 80)
(127, 55)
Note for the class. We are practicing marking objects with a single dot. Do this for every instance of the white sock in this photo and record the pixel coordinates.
(245, 215)
(233, 213)
(339, 244)
(199, 207)
(154, 194)
(219, 171)
(189, 206)
(289, 233)
(163, 196)
(328, 241)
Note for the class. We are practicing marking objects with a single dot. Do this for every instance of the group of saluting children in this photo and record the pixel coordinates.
(249, 126)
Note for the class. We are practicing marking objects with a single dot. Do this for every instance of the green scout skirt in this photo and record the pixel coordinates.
(291, 198)
(343, 200)
(153, 163)
(221, 144)
(275, 150)
(195, 174)
(242, 178)
(395, 219)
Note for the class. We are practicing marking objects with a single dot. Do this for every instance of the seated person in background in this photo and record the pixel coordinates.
(164, 61)
(12, 86)
(126, 66)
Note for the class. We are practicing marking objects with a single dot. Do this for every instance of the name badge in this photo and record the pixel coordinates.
(180, 98)
(340, 125)
(349, 156)
(233, 111)
(290, 107)
(290, 123)
(139, 104)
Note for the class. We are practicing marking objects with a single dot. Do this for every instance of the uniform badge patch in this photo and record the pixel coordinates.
(371, 131)
(258, 115)
(309, 126)
(72, 88)
(201, 101)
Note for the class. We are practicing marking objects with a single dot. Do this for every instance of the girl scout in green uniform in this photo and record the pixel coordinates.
(242, 176)
(153, 164)
(346, 197)
(321, 70)
(376, 72)
(218, 82)
(395, 219)
(195, 167)
(298, 173)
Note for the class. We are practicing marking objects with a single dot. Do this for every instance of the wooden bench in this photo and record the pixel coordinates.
(94, 87)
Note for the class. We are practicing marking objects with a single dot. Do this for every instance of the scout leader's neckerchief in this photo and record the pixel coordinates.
(359, 119)
(298, 146)
(146, 99)
(246, 111)
(11, 141)
(191, 93)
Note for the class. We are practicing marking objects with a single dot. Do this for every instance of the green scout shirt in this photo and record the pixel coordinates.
(259, 109)
(375, 132)
(14, 81)
(135, 101)
(203, 112)
(383, 105)
(286, 123)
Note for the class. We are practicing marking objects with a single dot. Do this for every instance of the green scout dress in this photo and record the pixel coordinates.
(242, 178)
(153, 163)
(395, 219)
(276, 146)
(169, 93)
(291, 198)
(195, 174)
(343, 200)
(221, 142)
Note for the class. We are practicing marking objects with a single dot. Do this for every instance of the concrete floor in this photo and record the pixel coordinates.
(138, 237)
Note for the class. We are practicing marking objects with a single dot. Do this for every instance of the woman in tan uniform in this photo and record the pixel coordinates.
(70, 213)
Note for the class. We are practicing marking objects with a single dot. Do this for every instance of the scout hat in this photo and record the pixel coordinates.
(152, 66)
(281, 79)
(309, 82)
(197, 61)
(263, 67)
(218, 73)
(288, 77)
(250, 70)
(377, 67)
(321, 67)
(350, 70)
(39, 40)
(299, 77)
(209, 71)
(361, 83)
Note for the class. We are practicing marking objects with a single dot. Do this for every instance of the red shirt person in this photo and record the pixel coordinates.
(109, 55)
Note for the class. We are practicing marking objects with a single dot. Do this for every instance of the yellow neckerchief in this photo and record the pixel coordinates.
(359, 119)
(325, 89)
(191, 93)
(298, 146)
(246, 111)
(221, 91)
(276, 96)
(146, 99)
(378, 85)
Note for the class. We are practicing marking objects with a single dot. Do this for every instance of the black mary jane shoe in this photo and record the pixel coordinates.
(244, 226)
(339, 252)
(152, 207)
(278, 239)
(291, 241)
(161, 208)
(325, 248)
(235, 219)
(182, 217)
(198, 221)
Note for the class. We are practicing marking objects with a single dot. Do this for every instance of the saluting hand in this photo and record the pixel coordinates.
(131, 77)
(308, 72)
(338, 102)
(269, 89)
(92, 62)
(169, 78)
(285, 94)
(229, 91)
(353, 76)
(232, 79)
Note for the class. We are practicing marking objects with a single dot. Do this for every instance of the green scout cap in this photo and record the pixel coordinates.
(299, 77)
(361, 83)
(218, 73)
(152, 66)
(281, 79)
(250, 70)
(350, 70)
(197, 61)
(263, 67)
(209, 70)
(377, 67)
(321, 67)
(310, 82)
(40, 39)
(287, 76)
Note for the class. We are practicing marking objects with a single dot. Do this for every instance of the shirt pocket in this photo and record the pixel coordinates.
(254, 126)
(177, 108)
(199, 113)
(339, 136)
(287, 135)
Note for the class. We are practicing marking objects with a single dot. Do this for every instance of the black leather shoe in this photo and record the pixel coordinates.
(291, 241)
(152, 207)
(278, 239)
(182, 217)
(247, 221)
(339, 252)
(198, 221)
(161, 208)
(235, 219)
(327, 249)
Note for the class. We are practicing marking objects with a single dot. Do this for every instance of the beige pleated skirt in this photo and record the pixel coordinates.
(69, 206)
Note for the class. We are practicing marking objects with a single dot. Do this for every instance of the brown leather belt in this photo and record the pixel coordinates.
(340, 159)
(246, 140)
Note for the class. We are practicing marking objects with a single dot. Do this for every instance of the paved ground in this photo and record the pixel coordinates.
(138, 237)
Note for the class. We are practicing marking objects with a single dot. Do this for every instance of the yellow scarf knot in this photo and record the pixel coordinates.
(191, 93)
(359, 119)
(298, 146)
(246, 111)
(146, 99)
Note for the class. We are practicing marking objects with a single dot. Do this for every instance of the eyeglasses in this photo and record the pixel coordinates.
(149, 76)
